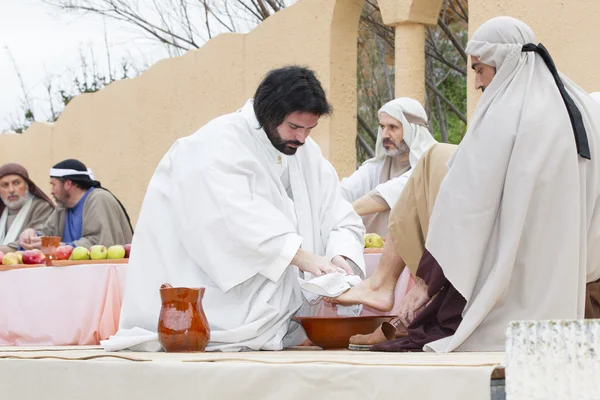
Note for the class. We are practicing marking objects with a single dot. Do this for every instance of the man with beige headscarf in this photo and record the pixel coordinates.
(402, 139)
(515, 230)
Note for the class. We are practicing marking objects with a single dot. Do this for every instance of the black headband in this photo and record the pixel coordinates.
(581, 139)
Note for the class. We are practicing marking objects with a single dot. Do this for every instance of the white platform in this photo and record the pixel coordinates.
(306, 373)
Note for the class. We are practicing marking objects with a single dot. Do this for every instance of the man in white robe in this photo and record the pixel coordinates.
(515, 229)
(402, 139)
(243, 207)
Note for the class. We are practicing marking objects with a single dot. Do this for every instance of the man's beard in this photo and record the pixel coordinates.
(280, 144)
(16, 204)
(62, 201)
(400, 148)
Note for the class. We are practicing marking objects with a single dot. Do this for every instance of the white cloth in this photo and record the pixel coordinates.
(516, 224)
(216, 215)
(12, 234)
(367, 178)
(596, 96)
(136, 339)
(331, 285)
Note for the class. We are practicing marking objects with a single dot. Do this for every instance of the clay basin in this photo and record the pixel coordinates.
(335, 332)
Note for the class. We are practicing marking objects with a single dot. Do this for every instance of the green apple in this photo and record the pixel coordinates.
(98, 252)
(80, 253)
(373, 241)
(10, 259)
(116, 252)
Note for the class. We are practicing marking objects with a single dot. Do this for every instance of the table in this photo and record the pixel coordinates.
(75, 305)
(307, 373)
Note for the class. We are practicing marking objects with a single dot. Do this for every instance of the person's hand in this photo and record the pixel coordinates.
(415, 299)
(309, 262)
(29, 239)
(340, 262)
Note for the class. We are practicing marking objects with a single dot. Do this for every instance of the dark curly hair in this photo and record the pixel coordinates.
(286, 90)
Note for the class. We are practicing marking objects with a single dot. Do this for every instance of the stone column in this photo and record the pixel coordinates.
(410, 61)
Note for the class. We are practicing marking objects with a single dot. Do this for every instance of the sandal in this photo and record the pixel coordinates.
(387, 331)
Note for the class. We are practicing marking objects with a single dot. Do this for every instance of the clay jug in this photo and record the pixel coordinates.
(182, 324)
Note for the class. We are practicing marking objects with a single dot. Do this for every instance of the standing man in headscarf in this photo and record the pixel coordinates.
(403, 137)
(515, 230)
(87, 214)
(23, 205)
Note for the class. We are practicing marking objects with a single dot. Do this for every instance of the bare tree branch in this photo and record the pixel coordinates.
(462, 71)
(448, 103)
(452, 38)
(363, 143)
(365, 126)
(465, 14)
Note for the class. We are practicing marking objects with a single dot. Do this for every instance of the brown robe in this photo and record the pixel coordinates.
(37, 216)
(104, 221)
(409, 222)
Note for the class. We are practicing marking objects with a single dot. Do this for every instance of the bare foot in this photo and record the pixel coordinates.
(369, 293)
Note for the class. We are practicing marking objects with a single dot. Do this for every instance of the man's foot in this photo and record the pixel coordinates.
(379, 297)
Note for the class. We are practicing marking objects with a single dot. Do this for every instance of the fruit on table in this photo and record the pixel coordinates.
(10, 259)
(373, 241)
(116, 252)
(20, 256)
(64, 252)
(34, 257)
(80, 253)
(1, 256)
(98, 252)
(127, 250)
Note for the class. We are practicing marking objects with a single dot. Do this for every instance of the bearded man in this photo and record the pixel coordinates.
(23, 205)
(402, 139)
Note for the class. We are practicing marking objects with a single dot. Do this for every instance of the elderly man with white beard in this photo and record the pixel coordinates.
(23, 205)
(402, 139)
(515, 230)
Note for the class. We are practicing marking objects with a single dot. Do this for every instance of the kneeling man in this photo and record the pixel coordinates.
(243, 207)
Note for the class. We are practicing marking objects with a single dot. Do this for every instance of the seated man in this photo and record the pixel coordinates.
(23, 205)
(243, 207)
(402, 138)
(515, 231)
(87, 214)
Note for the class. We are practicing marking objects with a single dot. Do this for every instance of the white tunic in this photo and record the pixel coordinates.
(216, 215)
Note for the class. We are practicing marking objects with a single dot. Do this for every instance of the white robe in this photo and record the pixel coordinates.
(216, 215)
(516, 224)
(366, 179)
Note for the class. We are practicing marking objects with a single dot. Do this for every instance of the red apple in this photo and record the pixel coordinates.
(64, 252)
(1, 256)
(34, 257)
(127, 250)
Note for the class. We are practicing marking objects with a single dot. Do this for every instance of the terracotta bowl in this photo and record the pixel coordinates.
(335, 332)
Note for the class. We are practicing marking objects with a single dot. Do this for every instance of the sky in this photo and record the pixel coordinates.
(46, 45)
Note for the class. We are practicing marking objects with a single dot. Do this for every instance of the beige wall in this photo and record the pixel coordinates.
(122, 131)
(568, 28)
